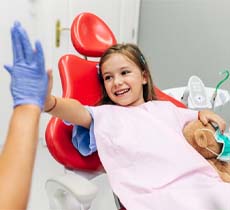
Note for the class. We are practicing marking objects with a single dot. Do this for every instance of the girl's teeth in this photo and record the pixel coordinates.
(121, 92)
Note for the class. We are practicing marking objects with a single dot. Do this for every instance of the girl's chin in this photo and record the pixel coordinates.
(123, 103)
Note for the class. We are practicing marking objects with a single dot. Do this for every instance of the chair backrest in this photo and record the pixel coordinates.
(91, 37)
(79, 81)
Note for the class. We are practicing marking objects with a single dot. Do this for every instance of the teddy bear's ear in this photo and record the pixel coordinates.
(201, 139)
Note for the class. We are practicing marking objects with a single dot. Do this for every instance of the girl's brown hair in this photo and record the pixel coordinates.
(133, 53)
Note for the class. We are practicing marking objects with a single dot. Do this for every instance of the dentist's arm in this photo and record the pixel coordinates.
(17, 157)
(29, 83)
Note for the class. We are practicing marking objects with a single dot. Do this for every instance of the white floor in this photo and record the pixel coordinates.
(46, 167)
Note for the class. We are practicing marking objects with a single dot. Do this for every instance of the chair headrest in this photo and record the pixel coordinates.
(90, 35)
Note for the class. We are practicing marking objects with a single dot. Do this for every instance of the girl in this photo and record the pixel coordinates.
(139, 139)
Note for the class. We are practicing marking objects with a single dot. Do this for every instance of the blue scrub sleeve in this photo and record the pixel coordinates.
(83, 139)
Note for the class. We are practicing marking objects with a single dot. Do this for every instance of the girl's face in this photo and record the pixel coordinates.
(123, 80)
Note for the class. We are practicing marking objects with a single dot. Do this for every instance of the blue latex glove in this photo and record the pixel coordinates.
(29, 79)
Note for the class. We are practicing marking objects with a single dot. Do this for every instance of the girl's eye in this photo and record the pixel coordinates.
(107, 77)
(125, 72)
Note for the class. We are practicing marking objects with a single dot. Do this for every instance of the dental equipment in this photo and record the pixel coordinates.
(213, 99)
(184, 98)
(196, 96)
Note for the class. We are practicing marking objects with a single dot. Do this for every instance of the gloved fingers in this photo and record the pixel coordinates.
(26, 45)
(39, 56)
(18, 54)
(9, 69)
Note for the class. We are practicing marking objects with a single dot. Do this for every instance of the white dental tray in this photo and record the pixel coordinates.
(222, 97)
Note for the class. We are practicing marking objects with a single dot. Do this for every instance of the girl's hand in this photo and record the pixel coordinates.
(49, 98)
(206, 116)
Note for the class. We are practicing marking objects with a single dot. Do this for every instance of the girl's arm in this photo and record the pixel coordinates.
(67, 109)
(206, 116)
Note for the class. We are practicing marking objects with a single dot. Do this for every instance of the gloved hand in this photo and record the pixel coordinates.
(29, 79)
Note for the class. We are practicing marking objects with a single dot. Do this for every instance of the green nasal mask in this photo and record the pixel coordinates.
(225, 140)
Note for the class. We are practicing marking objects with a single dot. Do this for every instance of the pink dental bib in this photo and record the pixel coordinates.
(149, 163)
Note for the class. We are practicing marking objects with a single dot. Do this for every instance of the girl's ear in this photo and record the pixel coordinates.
(145, 77)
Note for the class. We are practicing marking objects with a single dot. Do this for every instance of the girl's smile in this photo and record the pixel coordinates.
(122, 92)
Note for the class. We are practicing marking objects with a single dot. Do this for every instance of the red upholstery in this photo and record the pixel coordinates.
(90, 35)
(58, 140)
(79, 80)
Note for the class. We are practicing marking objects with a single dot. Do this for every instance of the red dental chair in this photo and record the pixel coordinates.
(91, 37)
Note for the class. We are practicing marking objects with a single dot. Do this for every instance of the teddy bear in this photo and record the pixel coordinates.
(201, 138)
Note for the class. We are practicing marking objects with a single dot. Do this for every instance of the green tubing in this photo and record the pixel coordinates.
(226, 72)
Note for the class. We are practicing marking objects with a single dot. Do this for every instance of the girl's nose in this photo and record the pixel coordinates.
(118, 80)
